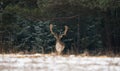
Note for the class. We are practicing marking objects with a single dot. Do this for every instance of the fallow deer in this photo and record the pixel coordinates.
(59, 44)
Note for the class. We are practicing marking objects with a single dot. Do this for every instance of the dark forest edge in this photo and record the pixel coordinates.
(94, 26)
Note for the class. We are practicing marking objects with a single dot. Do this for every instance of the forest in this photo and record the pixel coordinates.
(93, 26)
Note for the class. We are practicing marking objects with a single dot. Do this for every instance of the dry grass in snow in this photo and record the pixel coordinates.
(40, 62)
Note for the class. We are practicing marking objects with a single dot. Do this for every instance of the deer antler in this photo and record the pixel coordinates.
(51, 26)
(66, 29)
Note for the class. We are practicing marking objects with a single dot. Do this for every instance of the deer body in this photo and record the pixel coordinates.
(59, 45)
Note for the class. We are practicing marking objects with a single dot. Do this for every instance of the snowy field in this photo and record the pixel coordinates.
(39, 62)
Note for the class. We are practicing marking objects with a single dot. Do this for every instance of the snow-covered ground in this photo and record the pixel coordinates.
(39, 62)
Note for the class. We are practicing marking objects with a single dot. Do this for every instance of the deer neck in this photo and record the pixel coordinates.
(59, 41)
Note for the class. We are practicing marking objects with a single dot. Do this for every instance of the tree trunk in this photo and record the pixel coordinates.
(78, 36)
(108, 31)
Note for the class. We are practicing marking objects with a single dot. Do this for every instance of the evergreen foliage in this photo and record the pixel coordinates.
(27, 23)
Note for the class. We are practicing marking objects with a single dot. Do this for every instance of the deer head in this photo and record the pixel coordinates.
(59, 45)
